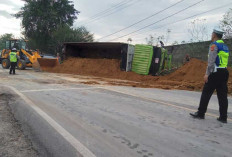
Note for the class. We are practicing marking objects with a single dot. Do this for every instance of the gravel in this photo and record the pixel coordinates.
(13, 143)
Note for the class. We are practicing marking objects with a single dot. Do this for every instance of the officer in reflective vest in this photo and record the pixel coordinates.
(216, 77)
(13, 60)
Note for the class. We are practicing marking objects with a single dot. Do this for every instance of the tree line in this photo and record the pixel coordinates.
(48, 24)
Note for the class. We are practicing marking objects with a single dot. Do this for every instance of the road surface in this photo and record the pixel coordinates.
(113, 121)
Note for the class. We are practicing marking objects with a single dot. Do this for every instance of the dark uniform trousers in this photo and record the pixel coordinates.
(12, 67)
(218, 81)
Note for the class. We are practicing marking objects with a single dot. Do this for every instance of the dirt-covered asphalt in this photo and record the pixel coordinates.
(113, 121)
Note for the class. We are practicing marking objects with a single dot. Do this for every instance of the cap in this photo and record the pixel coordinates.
(218, 31)
(14, 49)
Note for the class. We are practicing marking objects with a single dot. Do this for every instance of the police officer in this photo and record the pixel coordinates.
(216, 77)
(13, 60)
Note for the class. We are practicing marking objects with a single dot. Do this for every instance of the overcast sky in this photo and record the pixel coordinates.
(128, 12)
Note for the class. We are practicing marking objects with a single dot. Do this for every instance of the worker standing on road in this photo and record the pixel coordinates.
(13, 60)
(216, 77)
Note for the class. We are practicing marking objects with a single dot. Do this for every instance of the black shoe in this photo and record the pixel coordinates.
(197, 115)
(222, 120)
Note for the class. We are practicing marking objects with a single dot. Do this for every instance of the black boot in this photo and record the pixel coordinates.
(197, 115)
(222, 120)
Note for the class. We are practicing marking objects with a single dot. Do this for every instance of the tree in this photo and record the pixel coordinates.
(175, 43)
(67, 34)
(226, 24)
(198, 30)
(4, 38)
(41, 18)
(158, 39)
(183, 42)
(129, 40)
(150, 40)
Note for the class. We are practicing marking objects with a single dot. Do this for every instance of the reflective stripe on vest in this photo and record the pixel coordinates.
(223, 54)
(13, 57)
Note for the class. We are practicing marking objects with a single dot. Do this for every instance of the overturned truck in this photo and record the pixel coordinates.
(142, 59)
(98, 50)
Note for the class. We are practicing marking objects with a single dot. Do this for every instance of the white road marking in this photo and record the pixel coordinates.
(158, 101)
(55, 89)
(84, 151)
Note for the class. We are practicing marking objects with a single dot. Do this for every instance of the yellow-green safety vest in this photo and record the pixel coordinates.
(223, 54)
(13, 57)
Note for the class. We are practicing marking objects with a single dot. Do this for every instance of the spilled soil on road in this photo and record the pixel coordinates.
(188, 77)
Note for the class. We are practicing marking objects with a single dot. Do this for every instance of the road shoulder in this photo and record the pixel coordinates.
(13, 142)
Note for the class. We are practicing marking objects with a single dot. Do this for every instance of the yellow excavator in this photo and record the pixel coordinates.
(25, 58)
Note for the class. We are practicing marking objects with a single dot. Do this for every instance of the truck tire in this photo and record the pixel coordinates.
(21, 64)
(5, 63)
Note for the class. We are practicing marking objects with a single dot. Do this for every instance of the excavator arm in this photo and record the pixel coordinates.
(33, 58)
(40, 63)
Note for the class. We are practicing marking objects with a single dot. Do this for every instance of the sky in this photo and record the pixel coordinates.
(104, 17)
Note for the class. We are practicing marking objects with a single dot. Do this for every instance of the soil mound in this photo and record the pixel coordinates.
(192, 71)
(188, 77)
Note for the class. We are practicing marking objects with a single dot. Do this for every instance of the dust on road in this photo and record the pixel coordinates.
(188, 77)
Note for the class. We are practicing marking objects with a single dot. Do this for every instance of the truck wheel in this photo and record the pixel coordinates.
(21, 64)
(5, 63)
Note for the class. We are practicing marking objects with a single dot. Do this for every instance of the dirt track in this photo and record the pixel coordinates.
(188, 77)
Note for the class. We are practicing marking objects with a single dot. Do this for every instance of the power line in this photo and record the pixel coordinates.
(109, 10)
(142, 20)
(115, 11)
(158, 20)
(115, 6)
(190, 17)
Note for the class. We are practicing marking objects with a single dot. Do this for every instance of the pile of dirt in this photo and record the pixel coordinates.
(188, 77)
(192, 71)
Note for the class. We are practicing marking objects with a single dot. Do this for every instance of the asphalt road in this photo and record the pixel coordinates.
(113, 121)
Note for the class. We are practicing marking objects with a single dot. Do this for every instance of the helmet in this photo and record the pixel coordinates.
(217, 30)
(14, 49)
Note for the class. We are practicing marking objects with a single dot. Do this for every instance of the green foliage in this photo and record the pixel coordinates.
(226, 24)
(4, 38)
(67, 34)
(41, 18)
